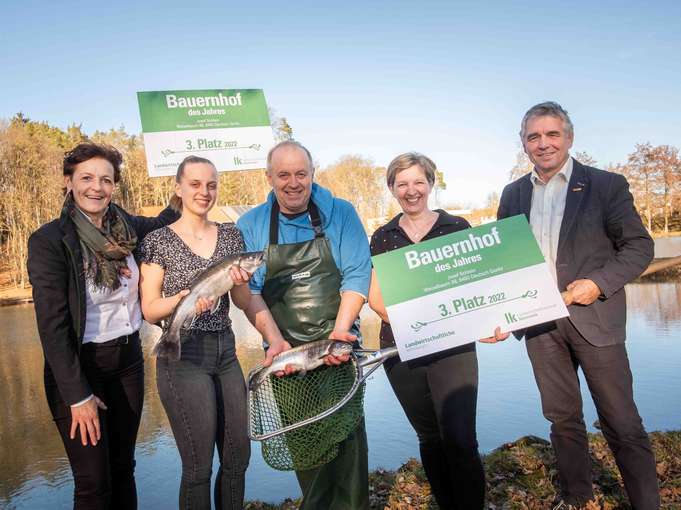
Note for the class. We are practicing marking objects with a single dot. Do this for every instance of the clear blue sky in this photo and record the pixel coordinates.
(449, 79)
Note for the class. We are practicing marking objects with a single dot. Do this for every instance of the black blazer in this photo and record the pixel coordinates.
(601, 238)
(55, 269)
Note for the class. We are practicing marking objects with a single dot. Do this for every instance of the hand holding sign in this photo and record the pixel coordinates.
(498, 337)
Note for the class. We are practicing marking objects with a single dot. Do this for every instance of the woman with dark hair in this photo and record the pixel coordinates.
(85, 290)
(203, 392)
(438, 392)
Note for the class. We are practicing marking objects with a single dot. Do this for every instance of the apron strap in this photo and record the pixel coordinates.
(315, 219)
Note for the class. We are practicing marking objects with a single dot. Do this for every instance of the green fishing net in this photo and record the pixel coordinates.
(282, 401)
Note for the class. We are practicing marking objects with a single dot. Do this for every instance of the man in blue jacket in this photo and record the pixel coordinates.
(312, 287)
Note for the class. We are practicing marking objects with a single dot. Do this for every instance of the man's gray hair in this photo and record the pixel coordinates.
(288, 143)
(548, 108)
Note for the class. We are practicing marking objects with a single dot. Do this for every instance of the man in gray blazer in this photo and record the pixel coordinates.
(594, 243)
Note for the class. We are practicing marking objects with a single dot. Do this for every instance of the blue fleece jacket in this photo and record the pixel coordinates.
(342, 226)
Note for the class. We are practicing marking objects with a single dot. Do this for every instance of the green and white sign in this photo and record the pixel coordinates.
(229, 127)
(457, 288)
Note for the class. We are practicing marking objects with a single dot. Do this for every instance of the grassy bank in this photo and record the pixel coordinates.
(671, 274)
(522, 476)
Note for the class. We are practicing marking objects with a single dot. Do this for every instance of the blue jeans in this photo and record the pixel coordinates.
(204, 396)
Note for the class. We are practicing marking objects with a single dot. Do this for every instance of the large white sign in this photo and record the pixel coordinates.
(457, 288)
(229, 127)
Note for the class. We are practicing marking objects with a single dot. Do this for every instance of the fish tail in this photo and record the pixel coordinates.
(168, 346)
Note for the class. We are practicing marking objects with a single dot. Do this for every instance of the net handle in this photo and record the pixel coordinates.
(370, 358)
(374, 357)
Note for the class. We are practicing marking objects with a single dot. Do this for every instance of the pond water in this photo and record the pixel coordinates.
(34, 472)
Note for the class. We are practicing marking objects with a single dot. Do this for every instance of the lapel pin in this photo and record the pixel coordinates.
(580, 186)
(577, 189)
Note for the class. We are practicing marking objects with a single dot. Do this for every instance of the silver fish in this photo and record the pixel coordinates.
(306, 357)
(212, 284)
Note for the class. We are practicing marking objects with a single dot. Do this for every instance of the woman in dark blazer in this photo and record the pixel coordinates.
(85, 290)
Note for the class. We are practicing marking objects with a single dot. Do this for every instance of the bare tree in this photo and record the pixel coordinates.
(667, 168)
(492, 202)
(244, 187)
(522, 166)
(281, 128)
(585, 158)
(31, 183)
(653, 173)
(359, 181)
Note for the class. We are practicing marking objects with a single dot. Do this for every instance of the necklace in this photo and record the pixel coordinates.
(193, 235)
(414, 232)
(196, 236)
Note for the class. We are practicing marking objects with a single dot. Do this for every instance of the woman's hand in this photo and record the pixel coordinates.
(498, 337)
(239, 276)
(86, 417)
(175, 300)
(203, 305)
(178, 297)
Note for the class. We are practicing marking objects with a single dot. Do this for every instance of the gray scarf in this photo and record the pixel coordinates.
(105, 249)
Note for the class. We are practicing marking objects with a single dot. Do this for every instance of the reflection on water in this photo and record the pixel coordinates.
(35, 474)
(655, 305)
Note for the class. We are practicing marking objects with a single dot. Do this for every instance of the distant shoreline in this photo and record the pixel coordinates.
(10, 296)
(15, 296)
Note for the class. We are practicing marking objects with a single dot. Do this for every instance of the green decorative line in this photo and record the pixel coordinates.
(418, 325)
(168, 152)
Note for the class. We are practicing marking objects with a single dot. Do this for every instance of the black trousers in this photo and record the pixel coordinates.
(104, 474)
(555, 357)
(439, 396)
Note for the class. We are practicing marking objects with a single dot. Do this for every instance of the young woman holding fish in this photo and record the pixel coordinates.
(203, 392)
(437, 392)
(84, 279)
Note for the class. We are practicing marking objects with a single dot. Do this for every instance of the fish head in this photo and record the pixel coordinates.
(250, 261)
(340, 348)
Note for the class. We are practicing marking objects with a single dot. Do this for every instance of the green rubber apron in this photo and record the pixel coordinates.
(302, 283)
(302, 291)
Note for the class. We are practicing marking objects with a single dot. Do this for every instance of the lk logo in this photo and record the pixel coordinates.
(510, 318)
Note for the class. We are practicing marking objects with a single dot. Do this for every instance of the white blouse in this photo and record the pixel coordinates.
(111, 314)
